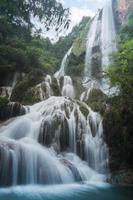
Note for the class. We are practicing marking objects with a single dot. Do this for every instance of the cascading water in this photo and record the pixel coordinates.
(63, 66)
(89, 45)
(6, 91)
(68, 89)
(101, 43)
(59, 140)
(108, 34)
(47, 145)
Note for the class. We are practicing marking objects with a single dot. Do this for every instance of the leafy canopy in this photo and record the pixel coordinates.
(20, 12)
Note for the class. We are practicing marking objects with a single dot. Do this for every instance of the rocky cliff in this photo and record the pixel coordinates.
(122, 8)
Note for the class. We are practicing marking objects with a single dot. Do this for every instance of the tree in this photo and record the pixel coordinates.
(126, 32)
(121, 71)
(16, 15)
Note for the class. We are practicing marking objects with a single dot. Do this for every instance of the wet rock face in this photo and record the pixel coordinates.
(54, 131)
(96, 61)
(118, 135)
(76, 65)
(11, 110)
(121, 177)
(53, 143)
(121, 10)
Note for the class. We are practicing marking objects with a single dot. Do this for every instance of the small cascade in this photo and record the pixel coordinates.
(95, 148)
(68, 89)
(43, 90)
(12, 110)
(49, 143)
(63, 66)
(48, 82)
(6, 91)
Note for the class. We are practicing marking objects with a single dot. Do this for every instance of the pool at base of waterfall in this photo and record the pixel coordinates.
(86, 191)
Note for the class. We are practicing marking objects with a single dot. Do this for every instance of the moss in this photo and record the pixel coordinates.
(79, 46)
(117, 123)
(55, 87)
(31, 96)
(77, 83)
(22, 87)
(3, 101)
(83, 108)
(97, 101)
(98, 106)
(61, 81)
(44, 88)
(76, 65)
(96, 95)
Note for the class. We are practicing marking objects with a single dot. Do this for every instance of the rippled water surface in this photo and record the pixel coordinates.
(68, 192)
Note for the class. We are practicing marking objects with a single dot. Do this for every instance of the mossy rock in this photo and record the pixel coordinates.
(19, 91)
(77, 83)
(122, 177)
(117, 124)
(83, 108)
(76, 65)
(79, 46)
(55, 87)
(96, 95)
(3, 101)
(61, 81)
(22, 88)
(31, 96)
(98, 106)
(97, 100)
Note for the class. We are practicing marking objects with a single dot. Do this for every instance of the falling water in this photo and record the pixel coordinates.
(101, 40)
(68, 89)
(63, 66)
(108, 35)
(60, 140)
(47, 145)
(89, 45)
(6, 91)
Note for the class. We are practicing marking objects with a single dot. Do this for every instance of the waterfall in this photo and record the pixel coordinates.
(101, 42)
(89, 45)
(68, 89)
(108, 34)
(49, 143)
(60, 139)
(6, 91)
(63, 66)
(67, 86)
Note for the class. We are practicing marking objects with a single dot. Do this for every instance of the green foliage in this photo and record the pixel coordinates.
(118, 119)
(16, 14)
(126, 32)
(3, 101)
(121, 72)
(79, 45)
(76, 65)
(78, 38)
(31, 96)
(20, 50)
(20, 55)
(23, 87)
(64, 43)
